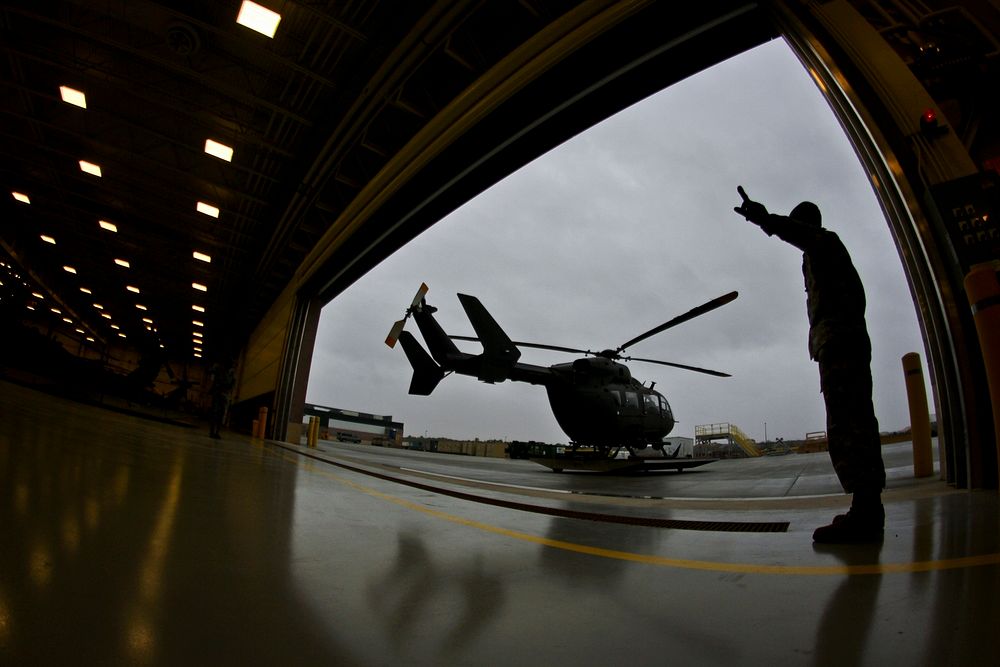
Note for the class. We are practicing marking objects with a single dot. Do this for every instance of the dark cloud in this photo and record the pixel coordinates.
(625, 227)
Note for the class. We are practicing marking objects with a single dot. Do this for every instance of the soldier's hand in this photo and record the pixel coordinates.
(753, 211)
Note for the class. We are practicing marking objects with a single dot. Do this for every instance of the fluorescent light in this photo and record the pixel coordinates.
(111, 227)
(85, 290)
(197, 355)
(67, 320)
(98, 306)
(48, 239)
(37, 295)
(106, 316)
(121, 334)
(122, 262)
(90, 168)
(221, 151)
(202, 257)
(197, 349)
(260, 19)
(199, 287)
(141, 307)
(69, 269)
(197, 334)
(115, 327)
(72, 96)
(196, 307)
(80, 331)
(89, 339)
(130, 288)
(21, 197)
(197, 323)
(56, 311)
(147, 320)
(207, 209)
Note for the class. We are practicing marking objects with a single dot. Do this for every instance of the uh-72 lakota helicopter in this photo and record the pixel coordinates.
(595, 399)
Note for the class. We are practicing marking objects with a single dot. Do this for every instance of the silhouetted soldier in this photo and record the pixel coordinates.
(838, 341)
(222, 379)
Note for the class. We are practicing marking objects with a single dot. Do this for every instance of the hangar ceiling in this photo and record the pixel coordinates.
(176, 247)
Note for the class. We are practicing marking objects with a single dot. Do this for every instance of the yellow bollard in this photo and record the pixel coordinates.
(313, 432)
(983, 290)
(920, 420)
(262, 419)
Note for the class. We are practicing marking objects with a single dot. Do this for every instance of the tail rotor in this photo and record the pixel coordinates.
(397, 327)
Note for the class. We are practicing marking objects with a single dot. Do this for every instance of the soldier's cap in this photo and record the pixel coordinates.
(808, 213)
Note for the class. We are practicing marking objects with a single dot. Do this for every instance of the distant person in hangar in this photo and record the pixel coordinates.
(838, 341)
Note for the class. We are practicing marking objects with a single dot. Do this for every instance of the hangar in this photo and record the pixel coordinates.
(354, 127)
(186, 188)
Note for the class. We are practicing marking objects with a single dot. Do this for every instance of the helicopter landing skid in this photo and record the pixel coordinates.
(605, 465)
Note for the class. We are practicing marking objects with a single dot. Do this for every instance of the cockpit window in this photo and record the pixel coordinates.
(665, 407)
(652, 404)
(631, 400)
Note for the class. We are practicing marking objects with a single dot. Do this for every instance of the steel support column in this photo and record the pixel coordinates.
(293, 375)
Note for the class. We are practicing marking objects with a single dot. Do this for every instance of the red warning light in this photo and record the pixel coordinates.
(929, 124)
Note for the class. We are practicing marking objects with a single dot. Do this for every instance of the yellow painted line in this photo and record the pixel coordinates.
(679, 563)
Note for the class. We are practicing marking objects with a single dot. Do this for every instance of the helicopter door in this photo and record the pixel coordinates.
(631, 404)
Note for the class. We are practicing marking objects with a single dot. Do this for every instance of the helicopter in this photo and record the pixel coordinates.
(594, 399)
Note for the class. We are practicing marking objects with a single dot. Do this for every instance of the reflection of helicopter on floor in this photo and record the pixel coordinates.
(595, 399)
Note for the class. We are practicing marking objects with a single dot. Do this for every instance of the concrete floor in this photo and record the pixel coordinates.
(125, 541)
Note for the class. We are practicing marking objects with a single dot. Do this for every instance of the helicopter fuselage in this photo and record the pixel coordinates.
(595, 400)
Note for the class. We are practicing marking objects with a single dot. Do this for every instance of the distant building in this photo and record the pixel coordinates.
(686, 446)
(360, 427)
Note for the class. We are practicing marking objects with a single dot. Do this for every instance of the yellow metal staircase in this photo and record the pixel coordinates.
(731, 433)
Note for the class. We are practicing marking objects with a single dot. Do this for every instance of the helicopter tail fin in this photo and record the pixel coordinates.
(499, 352)
(426, 373)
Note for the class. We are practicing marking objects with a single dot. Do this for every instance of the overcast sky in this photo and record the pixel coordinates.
(622, 228)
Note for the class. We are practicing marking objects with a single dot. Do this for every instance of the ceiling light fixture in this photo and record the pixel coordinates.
(48, 239)
(199, 287)
(130, 288)
(69, 269)
(73, 96)
(21, 197)
(202, 257)
(86, 290)
(207, 209)
(111, 227)
(221, 151)
(90, 168)
(197, 308)
(122, 262)
(259, 19)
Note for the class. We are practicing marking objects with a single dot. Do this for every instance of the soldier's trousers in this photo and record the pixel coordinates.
(851, 425)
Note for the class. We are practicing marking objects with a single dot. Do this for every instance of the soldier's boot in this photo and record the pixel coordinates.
(862, 524)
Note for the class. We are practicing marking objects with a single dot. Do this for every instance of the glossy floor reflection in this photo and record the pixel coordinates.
(130, 542)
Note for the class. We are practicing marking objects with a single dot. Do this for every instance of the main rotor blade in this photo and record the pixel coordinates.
(537, 346)
(689, 315)
(707, 371)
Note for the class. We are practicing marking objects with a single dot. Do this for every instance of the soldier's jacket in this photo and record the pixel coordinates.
(835, 298)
